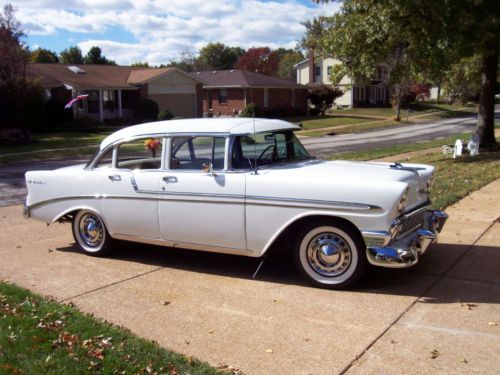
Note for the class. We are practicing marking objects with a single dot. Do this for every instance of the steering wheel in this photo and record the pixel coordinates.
(266, 150)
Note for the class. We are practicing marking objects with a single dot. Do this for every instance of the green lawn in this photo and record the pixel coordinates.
(38, 336)
(318, 122)
(47, 141)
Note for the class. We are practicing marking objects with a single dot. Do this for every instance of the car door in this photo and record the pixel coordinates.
(130, 189)
(197, 206)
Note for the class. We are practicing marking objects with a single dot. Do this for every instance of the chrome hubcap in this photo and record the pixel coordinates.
(91, 230)
(329, 254)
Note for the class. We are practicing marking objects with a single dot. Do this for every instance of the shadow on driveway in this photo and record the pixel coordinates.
(278, 268)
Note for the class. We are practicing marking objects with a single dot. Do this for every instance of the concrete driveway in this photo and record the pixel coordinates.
(441, 317)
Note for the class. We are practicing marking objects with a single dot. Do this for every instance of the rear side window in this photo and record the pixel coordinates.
(140, 154)
(193, 152)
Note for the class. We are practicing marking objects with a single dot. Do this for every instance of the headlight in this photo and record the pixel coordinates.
(402, 202)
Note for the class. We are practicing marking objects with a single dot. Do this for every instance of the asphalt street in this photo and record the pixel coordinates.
(13, 189)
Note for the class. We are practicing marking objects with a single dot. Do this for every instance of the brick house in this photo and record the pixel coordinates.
(226, 92)
(113, 90)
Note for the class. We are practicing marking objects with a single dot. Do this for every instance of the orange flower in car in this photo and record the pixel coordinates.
(151, 144)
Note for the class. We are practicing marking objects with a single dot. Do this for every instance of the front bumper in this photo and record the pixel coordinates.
(403, 252)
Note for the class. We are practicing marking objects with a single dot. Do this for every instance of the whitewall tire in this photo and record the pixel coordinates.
(90, 233)
(330, 255)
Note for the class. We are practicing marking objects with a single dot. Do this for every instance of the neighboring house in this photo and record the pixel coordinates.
(113, 90)
(319, 68)
(226, 92)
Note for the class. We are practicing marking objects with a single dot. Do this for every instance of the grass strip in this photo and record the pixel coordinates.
(40, 336)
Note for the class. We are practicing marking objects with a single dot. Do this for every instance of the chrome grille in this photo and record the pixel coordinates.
(412, 221)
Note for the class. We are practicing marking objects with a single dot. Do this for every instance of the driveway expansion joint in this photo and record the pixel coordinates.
(108, 285)
(415, 301)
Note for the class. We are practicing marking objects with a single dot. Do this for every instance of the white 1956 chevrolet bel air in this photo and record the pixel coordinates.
(238, 186)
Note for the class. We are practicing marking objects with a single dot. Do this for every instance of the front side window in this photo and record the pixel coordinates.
(140, 154)
(193, 152)
(267, 148)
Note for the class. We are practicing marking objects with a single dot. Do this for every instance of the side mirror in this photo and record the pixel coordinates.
(209, 169)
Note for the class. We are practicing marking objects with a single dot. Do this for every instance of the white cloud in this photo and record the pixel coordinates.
(164, 29)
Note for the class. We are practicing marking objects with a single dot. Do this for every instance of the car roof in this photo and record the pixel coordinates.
(205, 126)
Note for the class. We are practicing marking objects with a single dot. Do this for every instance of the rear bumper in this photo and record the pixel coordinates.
(404, 252)
(26, 211)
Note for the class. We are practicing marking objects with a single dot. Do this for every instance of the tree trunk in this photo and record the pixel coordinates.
(398, 103)
(486, 120)
(439, 91)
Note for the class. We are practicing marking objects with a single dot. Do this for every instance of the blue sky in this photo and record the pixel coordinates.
(158, 31)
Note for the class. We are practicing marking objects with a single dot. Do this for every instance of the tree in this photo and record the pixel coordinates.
(17, 92)
(463, 80)
(186, 61)
(323, 96)
(217, 56)
(71, 55)
(140, 64)
(286, 68)
(42, 55)
(261, 60)
(95, 56)
(430, 36)
(14, 53)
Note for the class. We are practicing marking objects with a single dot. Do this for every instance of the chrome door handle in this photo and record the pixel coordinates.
(170, 179)
(115, 177)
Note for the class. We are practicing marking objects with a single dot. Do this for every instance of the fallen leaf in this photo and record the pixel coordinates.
(50, 250)
(269, 351)
(18, 246)
(394, 342)
(468, 306)
(275, 300)
(187, 342)
(434, 354)
(211, 332)
(464, 360)
(492, 324)
(165, 303)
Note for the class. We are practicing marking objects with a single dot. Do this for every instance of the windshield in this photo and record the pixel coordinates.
(266, 149)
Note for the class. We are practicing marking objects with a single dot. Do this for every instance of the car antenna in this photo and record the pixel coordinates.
(254, 151)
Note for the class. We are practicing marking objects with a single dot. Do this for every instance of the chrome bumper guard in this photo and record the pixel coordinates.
(403, 252)
(26, 211)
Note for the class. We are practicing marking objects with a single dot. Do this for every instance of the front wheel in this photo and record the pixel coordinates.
(90, 233)
(330, 255)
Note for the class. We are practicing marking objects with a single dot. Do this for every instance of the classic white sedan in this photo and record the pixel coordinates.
(238, 186)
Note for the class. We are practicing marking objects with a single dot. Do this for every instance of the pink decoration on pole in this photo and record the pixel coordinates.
(74, 100)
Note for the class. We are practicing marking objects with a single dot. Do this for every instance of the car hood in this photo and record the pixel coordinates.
(363, 171)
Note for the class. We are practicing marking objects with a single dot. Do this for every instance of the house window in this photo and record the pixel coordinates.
(266, 98)
(329, 70)
(317, 70)
(222, 96)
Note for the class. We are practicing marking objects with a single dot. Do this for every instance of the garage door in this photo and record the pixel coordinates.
(181, 105)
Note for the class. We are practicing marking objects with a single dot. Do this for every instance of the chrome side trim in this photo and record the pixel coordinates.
(182, 245)
(300, 202)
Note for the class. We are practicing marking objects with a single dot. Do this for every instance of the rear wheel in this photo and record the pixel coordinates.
(330, 255)
(90, 233)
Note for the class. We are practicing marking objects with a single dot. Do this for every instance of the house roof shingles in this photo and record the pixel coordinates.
(242, 78)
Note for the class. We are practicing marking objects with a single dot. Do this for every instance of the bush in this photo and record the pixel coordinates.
(146, 109)
(22, 105)
(80, 125)
(55, 114)
(251, 110)
(323, 96)
(165, 115)
(117, 121)
(313, 111)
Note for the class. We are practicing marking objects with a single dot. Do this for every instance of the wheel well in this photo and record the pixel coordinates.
(67, 217)
(291, 231)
